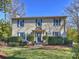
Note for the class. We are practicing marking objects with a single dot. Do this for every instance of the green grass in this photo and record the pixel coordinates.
(26, 53)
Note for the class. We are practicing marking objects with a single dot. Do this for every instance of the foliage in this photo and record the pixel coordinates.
(72, 34)
(45, 37)
(5, 30)
(31, 37)
(18, 8)
(45, 40)
(76, 51)
(12, 8)
(58, 41)
(73, 12)
(13, 44)
(4, 5)
(14, 41)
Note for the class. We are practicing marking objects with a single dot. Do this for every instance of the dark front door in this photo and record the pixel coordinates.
(38, 35)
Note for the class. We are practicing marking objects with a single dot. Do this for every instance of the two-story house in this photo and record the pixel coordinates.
(39, 26)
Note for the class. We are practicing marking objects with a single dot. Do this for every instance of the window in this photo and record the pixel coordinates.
(56, 22)
(20, 23)
(56, 34)
(38, 22)
(21, 34)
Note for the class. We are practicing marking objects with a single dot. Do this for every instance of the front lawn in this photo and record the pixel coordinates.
(27, 53)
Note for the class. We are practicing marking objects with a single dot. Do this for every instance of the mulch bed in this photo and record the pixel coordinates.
(51, 47)
(55, 47)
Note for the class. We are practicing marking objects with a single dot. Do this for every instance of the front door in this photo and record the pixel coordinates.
(38, 37)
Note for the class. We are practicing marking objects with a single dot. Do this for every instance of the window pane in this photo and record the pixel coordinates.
(56, 22)
(39, 22)
(20, 23)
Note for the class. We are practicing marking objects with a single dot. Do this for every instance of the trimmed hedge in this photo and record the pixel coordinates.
(58, 41)
(14, 41)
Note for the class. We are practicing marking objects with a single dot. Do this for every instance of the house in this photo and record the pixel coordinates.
(39, 27)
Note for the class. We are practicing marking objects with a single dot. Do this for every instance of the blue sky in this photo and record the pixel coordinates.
(44, 7)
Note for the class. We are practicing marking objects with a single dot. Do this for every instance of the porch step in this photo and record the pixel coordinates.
(38, 46)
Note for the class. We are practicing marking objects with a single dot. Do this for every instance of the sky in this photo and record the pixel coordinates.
(44, 7)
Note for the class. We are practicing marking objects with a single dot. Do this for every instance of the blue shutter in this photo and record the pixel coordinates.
(36, 22)
(23, 23)
(41, 22)
(54, 22)
(17, 23)
(59, 22)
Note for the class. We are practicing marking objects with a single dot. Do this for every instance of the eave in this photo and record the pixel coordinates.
(39, 17)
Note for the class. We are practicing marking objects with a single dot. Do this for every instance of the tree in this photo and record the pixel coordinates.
(5, 6)
(18, 9)
(5, 30)
(72, 34)
(73, 13)
(13, 8)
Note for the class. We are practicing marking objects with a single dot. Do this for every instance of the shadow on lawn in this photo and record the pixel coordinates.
(12, 57)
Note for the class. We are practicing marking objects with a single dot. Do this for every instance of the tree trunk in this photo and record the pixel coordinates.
(78, 34)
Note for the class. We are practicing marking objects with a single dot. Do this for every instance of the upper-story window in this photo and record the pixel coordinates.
(56, 22)
(20, 23)
(38, 22)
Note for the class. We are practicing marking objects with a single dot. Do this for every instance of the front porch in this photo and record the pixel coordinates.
(38, 35)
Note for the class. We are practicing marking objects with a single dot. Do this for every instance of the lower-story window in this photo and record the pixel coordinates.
(21, 34)
(56, 34)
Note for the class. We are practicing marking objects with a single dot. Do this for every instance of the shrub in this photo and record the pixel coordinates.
(13, 44)
(75, 50)
(31, 38)
(45, 40)
(67, 41)
(14, 41)
(45, 37)
(58, 41)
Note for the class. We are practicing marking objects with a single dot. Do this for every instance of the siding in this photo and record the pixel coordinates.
(29, 25)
